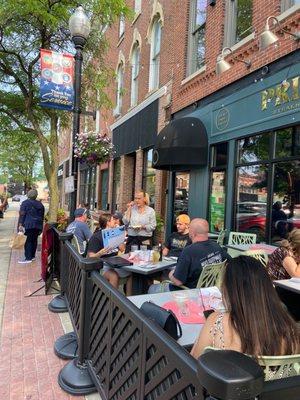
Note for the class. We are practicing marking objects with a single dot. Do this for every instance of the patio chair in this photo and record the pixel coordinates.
(275, 367)
(242, 238)
(221, 237)
(260, 255)
(211, 275)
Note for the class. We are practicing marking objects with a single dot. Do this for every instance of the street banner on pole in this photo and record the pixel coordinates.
(57, 76)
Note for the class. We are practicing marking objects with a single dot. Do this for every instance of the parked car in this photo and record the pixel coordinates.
(251, 217)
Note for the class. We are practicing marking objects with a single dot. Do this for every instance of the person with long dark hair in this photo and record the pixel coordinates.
(255, 321)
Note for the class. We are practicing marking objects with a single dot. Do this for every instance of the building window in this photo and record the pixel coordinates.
(137, 6)
(120, 83)
(238, 21)
(268, 171)
(286, 4)
(121, 26)
(135, 69)
(155, 55)
(218, 165)
(116, 185)
(149, 176)
(196, 52)
(87, 192)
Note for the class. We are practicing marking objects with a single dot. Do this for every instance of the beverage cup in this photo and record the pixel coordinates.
(134, 248)
(155, 254)
(181, 299)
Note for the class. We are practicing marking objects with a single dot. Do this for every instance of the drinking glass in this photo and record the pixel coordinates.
(134, 248)
(181, 301)
(155, 254)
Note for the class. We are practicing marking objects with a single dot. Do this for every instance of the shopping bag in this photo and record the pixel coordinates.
(17, 241)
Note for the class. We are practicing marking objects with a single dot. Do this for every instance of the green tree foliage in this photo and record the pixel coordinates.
(26, 26)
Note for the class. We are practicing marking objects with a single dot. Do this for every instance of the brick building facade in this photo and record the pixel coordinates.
(165, 61)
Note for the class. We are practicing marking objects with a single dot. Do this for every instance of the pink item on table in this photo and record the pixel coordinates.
(262, 246)
(195, 315)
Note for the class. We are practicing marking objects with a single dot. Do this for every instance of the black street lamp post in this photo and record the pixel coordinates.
(80, 27)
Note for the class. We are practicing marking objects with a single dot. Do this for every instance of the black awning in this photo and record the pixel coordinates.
(181, 145)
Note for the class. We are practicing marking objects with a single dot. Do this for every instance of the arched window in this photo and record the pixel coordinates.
(155, 55)
(120, 82)
(135, 69)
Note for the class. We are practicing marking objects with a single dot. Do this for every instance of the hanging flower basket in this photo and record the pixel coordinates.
(93, 148)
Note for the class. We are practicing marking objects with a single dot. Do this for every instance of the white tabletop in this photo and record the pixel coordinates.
(257, 246)
(149, 267)
(190, 332)
(292, 284)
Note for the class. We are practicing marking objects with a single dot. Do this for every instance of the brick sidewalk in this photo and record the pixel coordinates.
(28, 365)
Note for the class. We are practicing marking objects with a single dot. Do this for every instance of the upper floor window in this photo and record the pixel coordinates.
(238, 22)
(196, 56)
(121, 25)
(286, 4)
(137, 6)
(135, 69)
(155, 55)
(120, 82)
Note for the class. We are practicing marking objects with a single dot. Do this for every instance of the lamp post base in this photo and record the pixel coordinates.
(66, 346)
(75, 379)
(58, 304)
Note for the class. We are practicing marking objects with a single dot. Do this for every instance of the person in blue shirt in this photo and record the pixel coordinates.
(79, 228)
(31, 221)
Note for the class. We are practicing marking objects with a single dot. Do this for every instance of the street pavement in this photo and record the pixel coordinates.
(28, 366)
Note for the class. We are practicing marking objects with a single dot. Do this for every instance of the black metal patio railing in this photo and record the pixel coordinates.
(122, 355)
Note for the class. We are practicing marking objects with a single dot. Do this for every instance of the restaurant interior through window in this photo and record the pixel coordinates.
(149, 176)
(116, 185)
(181, 195)
(87, 190)
(267, 200)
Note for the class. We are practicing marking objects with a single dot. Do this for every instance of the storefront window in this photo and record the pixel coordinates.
(268, 188)
(181, 193)
(116, 184)
(149, 176)
(87, 192)
(104, 189)
(217, 184)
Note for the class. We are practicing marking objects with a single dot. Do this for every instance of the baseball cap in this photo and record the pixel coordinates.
(79, 212)
(183, 219)
(118, 215)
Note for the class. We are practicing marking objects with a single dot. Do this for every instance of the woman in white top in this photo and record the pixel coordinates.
(140, 220)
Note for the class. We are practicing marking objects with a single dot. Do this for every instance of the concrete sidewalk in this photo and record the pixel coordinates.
(28, 365)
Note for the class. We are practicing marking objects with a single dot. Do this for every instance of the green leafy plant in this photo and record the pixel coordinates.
(159, 223)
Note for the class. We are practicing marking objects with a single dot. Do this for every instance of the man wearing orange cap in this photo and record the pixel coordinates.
(177, 241)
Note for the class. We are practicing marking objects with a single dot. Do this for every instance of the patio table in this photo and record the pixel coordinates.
(141, 270)
(190, 332)
(289, 292)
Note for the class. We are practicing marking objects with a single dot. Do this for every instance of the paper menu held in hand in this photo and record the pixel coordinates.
(113, 237)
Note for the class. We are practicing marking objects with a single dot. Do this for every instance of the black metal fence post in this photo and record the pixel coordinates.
(58, 303)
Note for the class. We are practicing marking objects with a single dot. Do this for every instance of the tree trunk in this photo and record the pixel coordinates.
(54, 195)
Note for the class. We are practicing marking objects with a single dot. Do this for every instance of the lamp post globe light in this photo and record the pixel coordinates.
(79, 25)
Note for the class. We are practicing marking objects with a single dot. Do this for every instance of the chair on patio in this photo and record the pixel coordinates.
(260, 255)
(242, 238)
(211, 275)
(221, 237)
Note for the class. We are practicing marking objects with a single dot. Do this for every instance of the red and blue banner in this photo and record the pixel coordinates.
(57, 77)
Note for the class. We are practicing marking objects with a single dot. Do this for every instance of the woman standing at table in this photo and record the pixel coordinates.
(140, 220)
(284, 262)
(255, 321)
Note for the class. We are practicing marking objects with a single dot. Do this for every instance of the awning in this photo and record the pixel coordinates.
(181, 145)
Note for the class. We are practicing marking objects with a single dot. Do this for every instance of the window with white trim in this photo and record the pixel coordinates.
(155, 55)
(137, 6)
(135, 69)
(121, 25)
(120, 82)
(286, 4)
(196, 49)
(238, 21)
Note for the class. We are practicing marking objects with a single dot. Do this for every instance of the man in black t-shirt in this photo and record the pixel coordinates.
(177, 241)
(193, 258)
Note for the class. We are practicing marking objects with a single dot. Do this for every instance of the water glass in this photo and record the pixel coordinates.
(134, 248)
(181, 301)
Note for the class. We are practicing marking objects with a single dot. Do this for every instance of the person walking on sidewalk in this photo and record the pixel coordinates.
(31, 220)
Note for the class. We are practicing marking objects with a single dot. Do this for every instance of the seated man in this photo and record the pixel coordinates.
(80, 229)
(193, 258)
(177, 241)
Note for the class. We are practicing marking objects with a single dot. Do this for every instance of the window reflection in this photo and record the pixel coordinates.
(243, 19)
(251, 203)
(181, 195)
(254, 148)
(286, 199)
(116, 184)
(217, 202)
(288, 142)
(149, 176)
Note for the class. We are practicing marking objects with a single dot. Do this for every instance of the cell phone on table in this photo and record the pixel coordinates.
(207, 313)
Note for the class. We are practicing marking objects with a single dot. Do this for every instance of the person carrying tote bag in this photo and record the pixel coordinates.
(31, 220)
